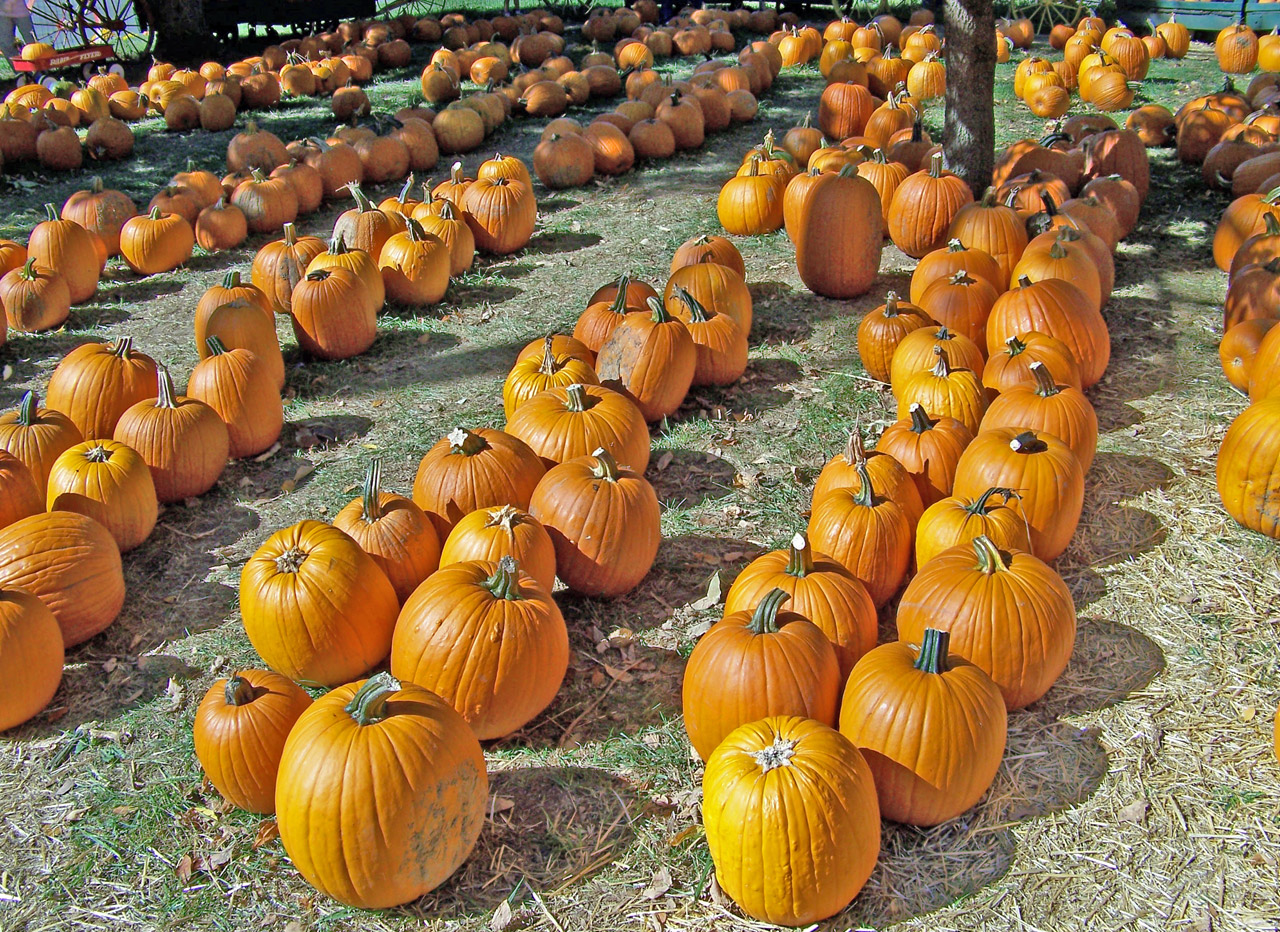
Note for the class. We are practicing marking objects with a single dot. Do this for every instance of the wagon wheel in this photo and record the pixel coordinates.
(417, 8)
(57, 22)
(1045, 14)
(125, 25)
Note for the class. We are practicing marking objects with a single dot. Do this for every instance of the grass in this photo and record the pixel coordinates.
(1176, 642)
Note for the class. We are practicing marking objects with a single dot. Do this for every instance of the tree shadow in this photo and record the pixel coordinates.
(547, 243)
(685, 478)
(682, 572)
(548, 827)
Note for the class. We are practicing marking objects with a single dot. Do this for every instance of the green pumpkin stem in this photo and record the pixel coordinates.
(338, 245)
(697, 311)
(371, 497)
(505, 582)
(933, 651)
(800, 557)
(231, 279)
(920, 421)
(1016, 346)
(764, 620)
(28, 273)
(216, 348)
(52, 212)
(619, 305)
(155, 213)
(166, 397)
(978, 507)
(577, 399)
(466, 442)
(239, 691)
(988, 197)
(659, 311)
(123, 347)
(362, 201)
(28, 408)
(990, 558)
(865, 494)
(606, 467)
(404, 191)
(1046, 387)
(414, 229)
(369, 705)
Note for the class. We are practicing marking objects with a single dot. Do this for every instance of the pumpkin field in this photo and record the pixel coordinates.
(1131, 786)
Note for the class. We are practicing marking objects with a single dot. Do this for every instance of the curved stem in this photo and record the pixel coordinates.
(239, 691)
(548, 365)
(697, 311)
(167, 397)
(1046, 387)
(800, 558)
(215, 345)
(933, 651)
(369, 705)
(865, 495)
(659, 311)
(123, 347)
(372, 495)
(606, 466)
(764, 620)
(920, 421)
(978, 507)
(990, 558)
(28, 409)
(942, 367)
(504, 584)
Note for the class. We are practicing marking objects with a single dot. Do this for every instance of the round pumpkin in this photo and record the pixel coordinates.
(952, 521)
(31, 656)
(561, 424)
(109, 482)
(1248, 470)
(493, 533)
(37, 436)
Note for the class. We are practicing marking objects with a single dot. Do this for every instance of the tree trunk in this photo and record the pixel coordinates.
(970, 135)
(181, 33)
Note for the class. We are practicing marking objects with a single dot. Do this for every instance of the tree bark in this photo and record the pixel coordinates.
(181, 33)
(969, 137)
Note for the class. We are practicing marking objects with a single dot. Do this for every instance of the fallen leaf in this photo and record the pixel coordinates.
(123, 812)
(173, 696)
(502, 917)
(715, 594)
(717, 895)
(185, 868)
(651, 740)
(1134, 812)
(1247, 713)
(1202, 921)
(622, 676)
(293, 925)
(659, 885)
(501, 804)
(424, 339)
(7, 372)
(663, 461)
(263, 457)
(75, 815)
(377, 403)
(680, 837)
(218, 860)
(268, 831)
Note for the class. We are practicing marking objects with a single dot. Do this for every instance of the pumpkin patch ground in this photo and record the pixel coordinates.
(1144, 780)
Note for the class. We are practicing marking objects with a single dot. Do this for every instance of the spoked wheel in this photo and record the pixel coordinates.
(125, 25)
(1045, 14)
(418, 8)
(57, 22)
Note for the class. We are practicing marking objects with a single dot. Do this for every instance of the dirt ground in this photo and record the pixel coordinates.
(1138, 794)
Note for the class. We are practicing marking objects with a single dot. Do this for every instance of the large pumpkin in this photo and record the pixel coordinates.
(501, 213)
(654, 358)
(792, 820)
(381, 793)
(69, 249)
(469, 469)
(838, 236)
(924, 206)
(96, 383)
(71, 563)
(315, 606)
(19, 496)
(241, 388)
(31, 656)
(518, 644)
(757, 662)
(931, 727)
(819, 589)
(240, 730)
(1008, 613)
(1248, 471)
(604, 521)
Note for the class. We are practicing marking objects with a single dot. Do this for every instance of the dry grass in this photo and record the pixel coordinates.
(1137, 795)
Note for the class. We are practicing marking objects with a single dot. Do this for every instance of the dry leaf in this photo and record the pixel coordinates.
(715, 594)
(218, 860)
(173, 696)
(123, 812)
(263, 457)
(184, 868)
(663, 461)
(293, 925)
(1247, 713)
(622, 676)
(268, 831)
(718, 896)
(75, 815)
(680, 837)
(659, 885)
(1134, 812)
(7, 372)
(500, 804)
(1202, 922)
(502, 917)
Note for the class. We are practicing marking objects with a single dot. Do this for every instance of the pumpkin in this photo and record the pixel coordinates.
(37, 436)
(563, 423)
(1252, 293)
(757, 662)
(838, 235)
(315, 606)
(717, 287)
(955, 257)
(604, 521)
(19, 496)
(255, 148)
(1239, 347)
(240, 729)
(844, 108)
(415, 266)
(364, 226)
(1009, 614)
(31, 657)
(490, 534)
(280, 265)
(720, 343)
(819, 590)
(468, 469)
(962, 302)
(332, 314)
(109, 482)
(708, 248)
(520, 644)
(530, 376)
(501, 213)
(12, 256)
(636, 293)
(791, 818)
(404, 808)
(34, 298)
(751, 204)
(69, 562)
(1236, 48)
(338, 164)
(928, 449)
(932, 728)
(952, 521)
(182, 440)
(69, 249)
(449, 227)
(564, 161)
(241, 387)
(1058, 309)
(882, 329)
(843, 471)
(1248, 468)
(654, 357)
(1012, 365)
(394, 531)
(1061, 410)
(866, 532)
(1041, 467)
(923, 208)
(153, 243)
(97, 382)
(101, 211)
(220, 227)
(944, 391)
(267, 203)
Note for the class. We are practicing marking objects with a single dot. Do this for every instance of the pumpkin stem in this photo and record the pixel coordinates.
(369, 705)
(466, 442)
(990, 558)
(1046, 386)
(891, 304)
(155, 213)
(933, 651)
(935, 165)
(508, 516)
(362, 202)
(764, 620)
(215, 346)
(776, 755)
(988, 197)
(1015, 346)
(920, 421)
(404, 191)
(123, 347)
(619, 305)
(865, 494)
(290, 234)
(414, 229)
(942, 367)
(28, 272)
(855, 450)
(606, 466)
(290, 561)
(954, 245)
(1027, 442)
(978, 507)
(455, 174)
(1272, 224)
(800, 557)
(239, 691)
(549, 365)
(231, 279)
(372, 496)
(27, 409)
(697, 311)
(166, 398)
(1056, 251)
(505, 581)
(1024, 281)
(660, 315)
(95, 186)
(576, 398)
(97, 454)
(338, 245)
(962, 278)
(51, 211)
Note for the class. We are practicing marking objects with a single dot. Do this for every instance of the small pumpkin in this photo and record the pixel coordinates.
(490, 534)
(34, 298)
(952, 521)
(882, 329)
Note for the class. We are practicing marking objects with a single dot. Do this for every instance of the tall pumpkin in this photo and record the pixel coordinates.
(754, 663)
(96, 383)
(1008, 613)
(932, 728)
(502, 214)
(838, 234)
(316, 607)
(69, 249)
(466, 470)
(924, 206)
(1248, 471)
(653, 357)
(241, 388)
(792, 820)
(239, 732)
(519, 645)
(381, 793)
